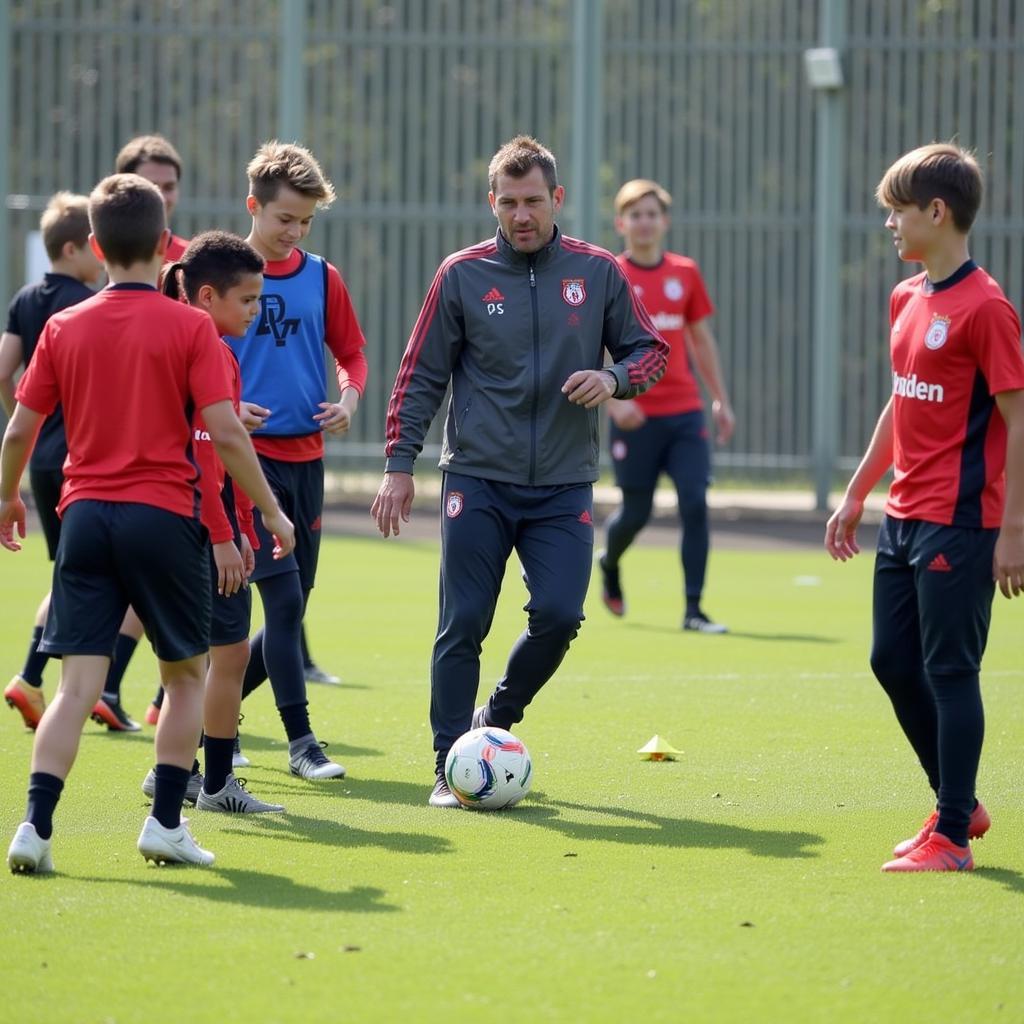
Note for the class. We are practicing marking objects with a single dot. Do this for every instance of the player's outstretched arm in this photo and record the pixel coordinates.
(239, 458)
(841, 529)
(393, 504)
(1008, 561)
(19, 440)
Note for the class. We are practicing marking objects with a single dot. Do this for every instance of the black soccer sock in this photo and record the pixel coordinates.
(296, 720)
(169, 794)
(256, 670)
(283, 605)
(307, 658)
(124, 648)
(218, 762)
(43, 793)
(35, 661)
(692, 606)
(158, 700)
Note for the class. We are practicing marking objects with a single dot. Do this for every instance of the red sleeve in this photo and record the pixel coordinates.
(698, 303)
(37, 389)
(344, 335)
(209, 380)
(995, 340)
(211, 478)
(243, 513)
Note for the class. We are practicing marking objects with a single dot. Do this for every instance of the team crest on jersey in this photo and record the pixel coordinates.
(453, 505)
(938, 331)
(573, 291)
(673, 289)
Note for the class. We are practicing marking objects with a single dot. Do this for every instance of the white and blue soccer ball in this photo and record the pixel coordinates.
(488, 769)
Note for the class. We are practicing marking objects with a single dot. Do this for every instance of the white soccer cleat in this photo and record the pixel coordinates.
(312, 763)
(171, 845)
(28, 854)
(234, 798)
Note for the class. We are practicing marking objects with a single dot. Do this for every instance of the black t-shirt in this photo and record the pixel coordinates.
(26, 317)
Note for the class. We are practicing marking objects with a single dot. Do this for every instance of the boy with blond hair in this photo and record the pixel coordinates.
(305, 306)
(74, 268)
(953, 433)
(130, 478)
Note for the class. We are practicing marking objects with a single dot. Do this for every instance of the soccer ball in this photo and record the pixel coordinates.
(488, 769)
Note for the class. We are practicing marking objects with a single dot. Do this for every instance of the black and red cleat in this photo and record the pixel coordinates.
(611, 588)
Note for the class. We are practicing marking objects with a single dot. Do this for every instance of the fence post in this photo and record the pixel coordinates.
(587, 116)
(291, 108)
(828, 225)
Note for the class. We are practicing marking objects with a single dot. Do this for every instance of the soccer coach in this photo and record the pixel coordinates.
(520, 325)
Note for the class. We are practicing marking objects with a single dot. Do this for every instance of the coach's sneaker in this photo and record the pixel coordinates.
(26, 699)
(611, 588)
(171, 845)
(108, 712)
(315, 674)
(312, 763)
(234, 798)
(192, 790)
(936, 853)
(442, 796)
(698, 622)
(28, 853)
(978, 825)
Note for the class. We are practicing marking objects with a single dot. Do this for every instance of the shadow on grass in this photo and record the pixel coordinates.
(253, 741)
(1009, 879)
(645, 829)
(297, 828)
(380, 791)
(259, 889)
(798, 638)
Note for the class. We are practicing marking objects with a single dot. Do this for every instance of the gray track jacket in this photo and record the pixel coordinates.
(507, 329)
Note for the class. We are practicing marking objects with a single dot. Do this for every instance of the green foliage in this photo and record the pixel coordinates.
(738, 883)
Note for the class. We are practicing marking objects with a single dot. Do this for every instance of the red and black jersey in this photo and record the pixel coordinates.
(129, 366)
(673, 293)
(954, 345)
(175, 248)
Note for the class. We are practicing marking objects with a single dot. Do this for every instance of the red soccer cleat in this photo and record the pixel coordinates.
(152, 714)
(611, 589)
(936, 853)
(979, 824)
(26, 699)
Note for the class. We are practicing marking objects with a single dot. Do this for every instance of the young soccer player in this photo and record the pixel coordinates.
(130, 532)
(953, 432)
(155, 159)
(663, 430)
(73, 268)
(223, 275)
(305, 306)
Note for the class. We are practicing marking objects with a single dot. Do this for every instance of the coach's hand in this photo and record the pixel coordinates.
(590, 388)
(252, 415)
(626, 414)
(283, 532)
(12, 518)
(1008, 561)
(841, 530)
(393, 502)
(230, 568)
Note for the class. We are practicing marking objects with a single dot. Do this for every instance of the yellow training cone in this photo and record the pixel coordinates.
(657, 749)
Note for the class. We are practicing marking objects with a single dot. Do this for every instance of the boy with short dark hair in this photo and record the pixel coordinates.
(73, 269)
(953, 431)
(305, 306)
(131, 532)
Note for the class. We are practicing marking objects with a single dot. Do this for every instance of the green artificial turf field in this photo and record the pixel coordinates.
(738, 883)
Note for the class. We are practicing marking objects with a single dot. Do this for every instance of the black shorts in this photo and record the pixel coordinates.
(115, 554)
(299, 489)
(46, 485)
(933, 591)
(230, 617)
(675, 445)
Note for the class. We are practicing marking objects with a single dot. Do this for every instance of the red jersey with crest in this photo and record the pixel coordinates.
(673, 293)
(954, 346)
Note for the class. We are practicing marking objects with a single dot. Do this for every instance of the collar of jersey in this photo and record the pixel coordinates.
(131, 286)
(538, 258)
(931, 287)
